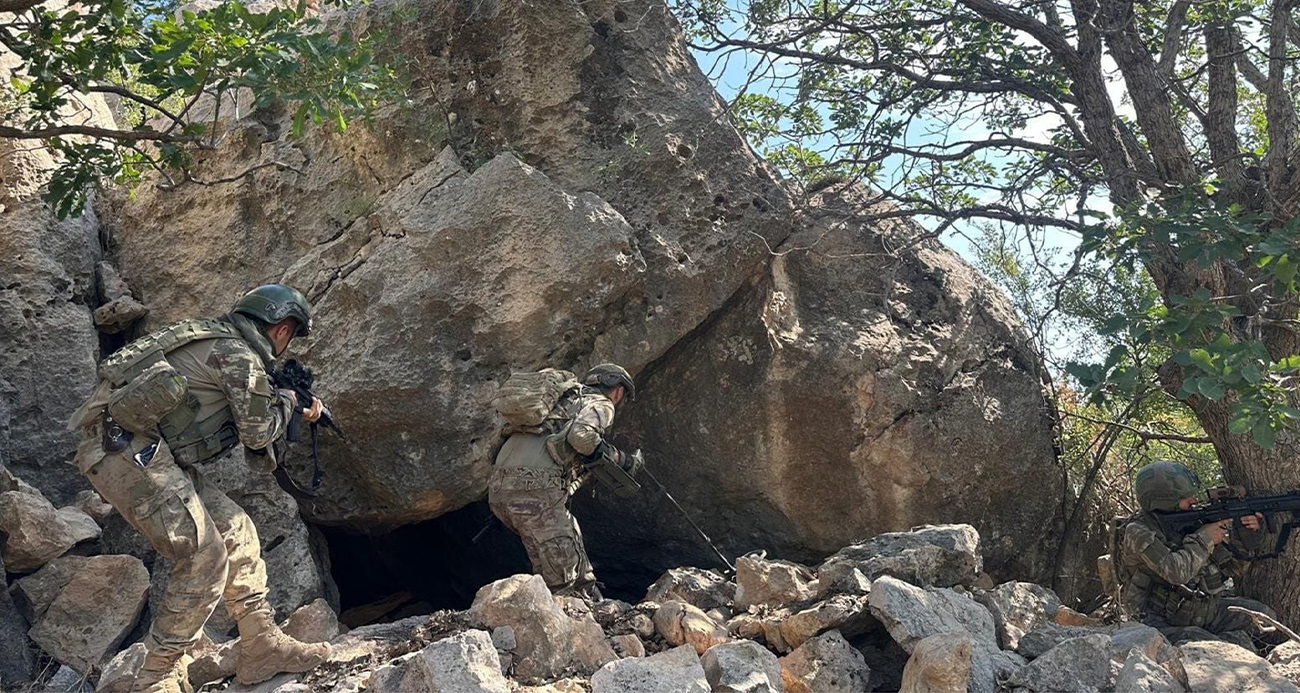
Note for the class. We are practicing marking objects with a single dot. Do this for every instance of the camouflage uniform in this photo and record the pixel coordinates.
(1179, 585)
(210, 540)
(529, 493)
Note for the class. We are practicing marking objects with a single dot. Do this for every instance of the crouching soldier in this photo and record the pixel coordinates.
(1179, 584)
(557, 430)
(165, 404)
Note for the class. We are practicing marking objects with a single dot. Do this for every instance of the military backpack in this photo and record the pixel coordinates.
(536, 402)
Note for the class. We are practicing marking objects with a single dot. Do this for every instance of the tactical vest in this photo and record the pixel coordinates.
(1194, 604)
(144, 390)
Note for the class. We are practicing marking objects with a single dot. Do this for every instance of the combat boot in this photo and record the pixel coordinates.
(161, 673)
(264, 650)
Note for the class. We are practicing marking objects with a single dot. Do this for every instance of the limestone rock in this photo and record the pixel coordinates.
(760, 582)
(825, 664)
(705, 589)
(34, 593)
(928, 556)
(314, 622)
(120, 671)
(1080, 665)
(742, 667)
(1037, 642)
(1017, 608)
(549, 641)
(849, 614)
(1285, 659)
(112, 589)
(68, 680)
(1214, 665)
(1065, 616)
(628, 645)
(1148, 641)
(463, 663)
(90, 502)
(37, 534)
(683, 624)
(939, 664)
(118, 314)
(674, 671)
(1142, 675)
(81, 526)
(911, 614)
(214, 662)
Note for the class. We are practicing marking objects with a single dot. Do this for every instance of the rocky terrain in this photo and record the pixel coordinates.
(909, 611)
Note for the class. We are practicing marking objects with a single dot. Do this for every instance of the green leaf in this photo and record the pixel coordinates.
(1264, 434)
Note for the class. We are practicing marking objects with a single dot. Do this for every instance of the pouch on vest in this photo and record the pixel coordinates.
(144, 400)
(530, 402)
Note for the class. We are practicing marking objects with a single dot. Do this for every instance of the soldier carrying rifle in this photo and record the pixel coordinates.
(166, 403)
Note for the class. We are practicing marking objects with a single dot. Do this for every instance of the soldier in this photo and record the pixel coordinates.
(166, 403)
(535, 474)
(1177, 584)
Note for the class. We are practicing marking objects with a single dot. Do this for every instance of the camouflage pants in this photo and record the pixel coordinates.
(209, 539)
(550, 534)
(1225, 625)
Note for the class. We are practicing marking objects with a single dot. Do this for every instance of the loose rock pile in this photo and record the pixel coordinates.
(902, 611)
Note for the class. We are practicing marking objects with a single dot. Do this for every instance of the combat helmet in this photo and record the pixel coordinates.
(271, 303)
(609, 376)
(1161, 484)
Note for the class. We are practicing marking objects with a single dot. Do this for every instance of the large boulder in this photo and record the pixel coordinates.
(548, 641)
(680, 623)
(1080, 665)
(939, 664)
(1214, 665)
(703, 588)
(928, 556)
(1017, 608)
(742, 667)
(825, 664)
(912, 614)
(36, 533)
(761, 582)
(604, 208)
(94, 612)
(674, 671)
(463, 663)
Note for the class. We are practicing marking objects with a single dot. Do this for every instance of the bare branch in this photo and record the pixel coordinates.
(1143, 434)
(91, 131)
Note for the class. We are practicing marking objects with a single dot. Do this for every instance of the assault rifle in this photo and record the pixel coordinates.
(293, 375)
(1232, 503)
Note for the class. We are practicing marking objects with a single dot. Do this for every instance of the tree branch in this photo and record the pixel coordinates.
(16, 6)
(91, 131)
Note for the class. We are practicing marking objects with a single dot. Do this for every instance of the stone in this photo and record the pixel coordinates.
(314, 622)
(110, 588)
(34, 593)
(1066, 616)
(747, 626)
(80, 524)
(37, 535)
(673, 671)
(705, 589)
(214, 662)
(1017, 608)
(548, 641)
(562, 686)
(849, 614)
(1214, 665)
(119, 672)
(825, 664)
(1037, 642)
(939, 664)
(503, 638)
(1136, 637)
(1285, 659)
(90, 502)
(1140, 674)
(760, 582)
(742, 667)
(111, 286)
(912, 613)
(118, 314)
(463, 663)
(928, 556)
(680, 623)
(1080, 665)
(68, 680)
(628, 645)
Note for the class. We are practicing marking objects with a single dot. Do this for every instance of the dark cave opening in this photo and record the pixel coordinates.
(441, 563)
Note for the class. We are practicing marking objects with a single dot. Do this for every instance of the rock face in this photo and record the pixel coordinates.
(604, 209)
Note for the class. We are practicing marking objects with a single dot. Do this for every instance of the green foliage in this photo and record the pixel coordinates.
(161, 63)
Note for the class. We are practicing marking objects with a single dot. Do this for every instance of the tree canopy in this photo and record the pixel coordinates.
(160, 62)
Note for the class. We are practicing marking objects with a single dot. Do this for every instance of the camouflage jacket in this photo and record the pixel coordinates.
(591, 418)
(1150, 559)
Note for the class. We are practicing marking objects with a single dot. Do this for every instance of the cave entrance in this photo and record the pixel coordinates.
(438, 564)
